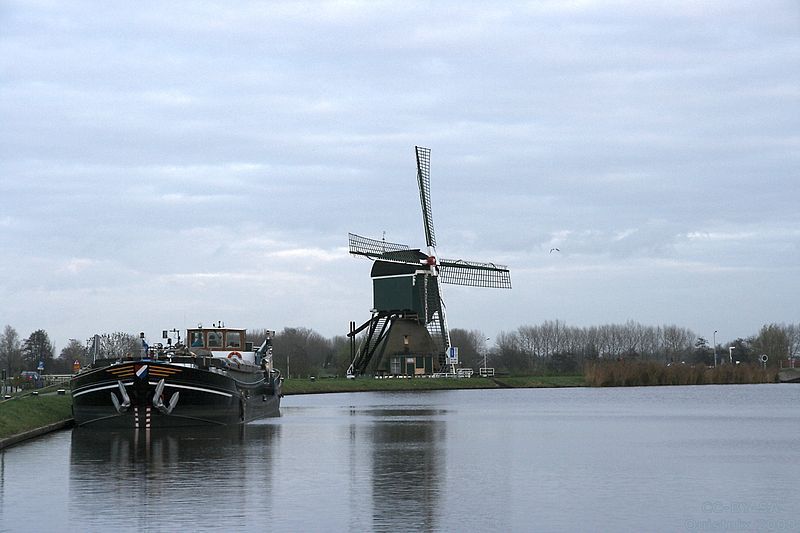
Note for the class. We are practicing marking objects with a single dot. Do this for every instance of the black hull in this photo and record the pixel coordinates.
(164, 395)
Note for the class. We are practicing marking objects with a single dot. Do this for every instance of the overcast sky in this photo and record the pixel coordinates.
(164, 164)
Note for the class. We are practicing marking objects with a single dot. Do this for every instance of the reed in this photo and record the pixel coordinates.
(627, 373)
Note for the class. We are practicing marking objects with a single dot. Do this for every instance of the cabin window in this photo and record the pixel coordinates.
(197, 339)
(215, 339)
(395, 365)
(234, 339)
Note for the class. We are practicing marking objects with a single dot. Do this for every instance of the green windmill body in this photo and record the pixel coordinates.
(407, 333)
(394, 287)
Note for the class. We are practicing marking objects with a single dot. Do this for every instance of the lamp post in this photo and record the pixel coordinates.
(715, 348)
(484, 354)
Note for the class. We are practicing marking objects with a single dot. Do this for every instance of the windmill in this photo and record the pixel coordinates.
(407, 333)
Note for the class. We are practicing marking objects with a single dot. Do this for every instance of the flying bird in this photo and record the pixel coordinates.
(554, 250)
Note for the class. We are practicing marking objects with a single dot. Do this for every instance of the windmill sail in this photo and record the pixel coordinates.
(472, 274)
(372, 247)
(424, 179)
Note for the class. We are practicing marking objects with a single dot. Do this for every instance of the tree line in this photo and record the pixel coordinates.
(555, 347)
(552, 347)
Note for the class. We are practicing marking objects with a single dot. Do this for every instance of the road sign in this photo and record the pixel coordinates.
(452, 354)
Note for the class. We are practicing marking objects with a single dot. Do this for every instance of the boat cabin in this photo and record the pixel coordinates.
(218, 339)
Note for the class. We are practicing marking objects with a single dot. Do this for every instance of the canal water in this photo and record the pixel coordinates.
(702, 458)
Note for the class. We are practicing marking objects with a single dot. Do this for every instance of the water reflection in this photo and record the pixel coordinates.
(641, 459)
(408, 463)
(168, 477)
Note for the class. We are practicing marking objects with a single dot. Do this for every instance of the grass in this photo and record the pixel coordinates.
(26, 412)
(364, 384)
(536, 382)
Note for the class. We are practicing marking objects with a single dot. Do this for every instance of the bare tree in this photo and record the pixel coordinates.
(118, 344)
(471, 346)
(607, 339)
(650, 342)
(301, 351)
(509, 353)
(676, 342)
(529, 343)
(793, 335)
(341, 356)
(10, 351)
(74, 351)
(632, 336)
(552, 336)
(590, 343)
(773, 341)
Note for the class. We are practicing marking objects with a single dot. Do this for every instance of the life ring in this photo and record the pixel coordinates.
(234, 355)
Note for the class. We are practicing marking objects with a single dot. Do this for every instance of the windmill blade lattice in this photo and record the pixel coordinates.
(424, 179)
(372, 247)
(472, 274)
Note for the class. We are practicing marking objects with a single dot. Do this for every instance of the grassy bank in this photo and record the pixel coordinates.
(365, 384)
(643, 373)
(26, 412)
(535, 382)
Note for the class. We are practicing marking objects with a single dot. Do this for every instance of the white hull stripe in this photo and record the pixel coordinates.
(94, 389)
(210, 391)
(129, 384)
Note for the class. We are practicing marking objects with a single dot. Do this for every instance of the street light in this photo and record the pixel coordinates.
(715, 348)
(484, 354)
